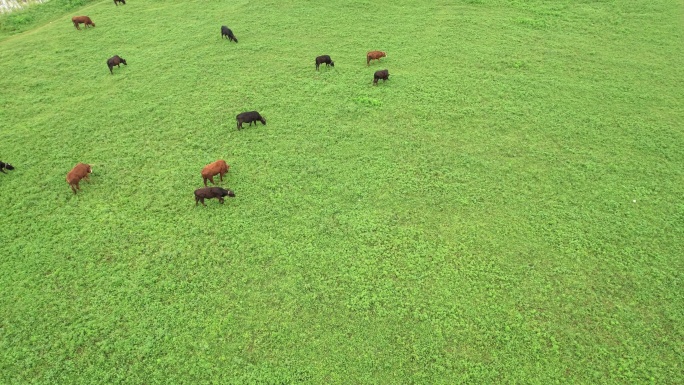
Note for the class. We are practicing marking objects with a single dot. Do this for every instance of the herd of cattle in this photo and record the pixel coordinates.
(219, 167)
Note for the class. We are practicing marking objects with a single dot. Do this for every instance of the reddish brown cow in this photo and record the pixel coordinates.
(85, 20)
(77, 173)
(209, 171)
(374, 55)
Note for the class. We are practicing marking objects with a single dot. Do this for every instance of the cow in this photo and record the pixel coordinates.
(115, 60)
(85, 20)
(249, 117)
(209, 171)
(382, 74)
(225, 31)
(324, 59)
(80, 171)
(212, 192)
(5, 166)
(116, 2)
(374, 55)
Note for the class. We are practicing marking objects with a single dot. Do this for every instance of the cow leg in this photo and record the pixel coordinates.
(202, 200)
(196, 200)
(72, 188)
(211, 179)
(221, 200)
(221, 176)
(205, 181)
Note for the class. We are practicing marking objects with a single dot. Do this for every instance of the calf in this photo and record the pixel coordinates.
(77, 173)
(5, 166)
(209, 171)
(115, 60)
(85, 20)
(374, 55)
(249, 117)
(382, 74)
(212, 192)
(225, 31)
(324, 59)
(116, 2)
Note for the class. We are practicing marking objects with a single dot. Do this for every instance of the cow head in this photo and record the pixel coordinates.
(263, 121)
(332, 63)
(228, 193)
(124, 61)
(9, 166)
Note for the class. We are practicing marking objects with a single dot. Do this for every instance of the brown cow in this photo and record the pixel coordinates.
(209, 171)
(374, 55)
(77, 173)
(85, 20)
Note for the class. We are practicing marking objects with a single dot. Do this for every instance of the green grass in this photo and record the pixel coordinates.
(471, 220)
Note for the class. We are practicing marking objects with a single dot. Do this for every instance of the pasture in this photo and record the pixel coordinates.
(506, 208)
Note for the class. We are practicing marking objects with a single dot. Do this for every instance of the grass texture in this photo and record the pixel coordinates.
(506, 208)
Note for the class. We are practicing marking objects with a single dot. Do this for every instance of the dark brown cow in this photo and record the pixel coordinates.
(324, 59)
(116, 2)
(212, 192)
(209, 171)
(374, 55)
(5, 166)
(85, 20)
(382, 74)
(80, 171)
(249, 117)
(115, 60)
(225, 31)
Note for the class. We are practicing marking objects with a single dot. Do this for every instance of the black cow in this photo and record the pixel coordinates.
(115, 60)
(116, 2)
(382, 74)
(324, 59)
(249, 117)
(5, 166)
(225, 31)
(212, 192)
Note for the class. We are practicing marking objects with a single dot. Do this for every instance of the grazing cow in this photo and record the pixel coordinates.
(85, 20)
(324, 59)
(209, 171)
(115, 60)
(116, 2)
(249, 117)
(374, 55)
(5, 166)
(77, 173)
(212, 192)
(382, 74)
(225, 31)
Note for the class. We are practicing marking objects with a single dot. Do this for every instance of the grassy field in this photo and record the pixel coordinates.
(506, 208)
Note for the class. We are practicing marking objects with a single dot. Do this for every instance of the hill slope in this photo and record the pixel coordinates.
(505, 208)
